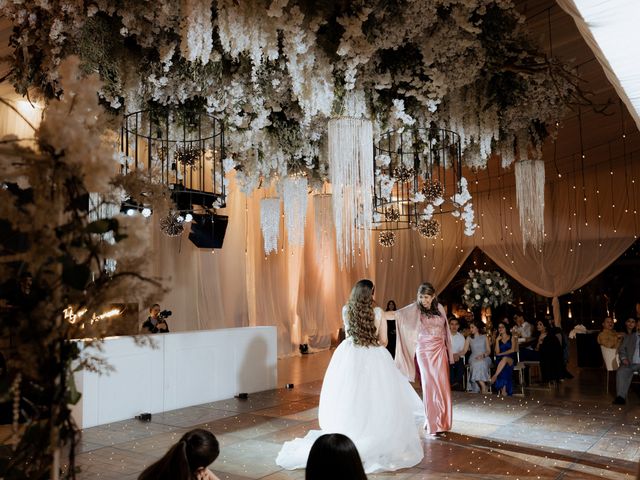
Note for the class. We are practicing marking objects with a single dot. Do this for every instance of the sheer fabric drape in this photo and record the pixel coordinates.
(301, 290)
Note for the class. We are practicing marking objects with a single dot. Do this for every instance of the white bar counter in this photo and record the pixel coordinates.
(184, 369)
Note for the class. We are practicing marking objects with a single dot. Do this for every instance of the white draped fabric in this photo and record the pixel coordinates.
(582, 237)
(301, 289)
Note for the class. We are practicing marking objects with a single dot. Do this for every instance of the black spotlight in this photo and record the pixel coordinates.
(207, 230)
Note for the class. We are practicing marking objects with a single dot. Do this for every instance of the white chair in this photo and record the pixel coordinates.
(519, 367)
(611, 361)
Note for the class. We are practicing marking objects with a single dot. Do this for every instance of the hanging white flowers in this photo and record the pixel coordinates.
(270, 223)
(464, 208)
(294, 196)
(196, 30)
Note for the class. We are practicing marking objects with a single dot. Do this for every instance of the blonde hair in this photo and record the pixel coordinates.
(362, 327)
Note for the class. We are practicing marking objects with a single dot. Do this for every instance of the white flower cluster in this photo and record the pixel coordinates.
(485, 289)
(196, 31)
(464, 208)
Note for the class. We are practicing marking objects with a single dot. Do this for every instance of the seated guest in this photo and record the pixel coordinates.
(334, 456)
(456, 369)
(630, 325)
(629, 353)
(186, 460)
(522, 328)
(155, 323)
(608, 337)
(505, 351)
(550, 351)
(480, 359)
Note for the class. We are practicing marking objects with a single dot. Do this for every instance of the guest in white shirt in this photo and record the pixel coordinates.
(456, 369)
(522, 328)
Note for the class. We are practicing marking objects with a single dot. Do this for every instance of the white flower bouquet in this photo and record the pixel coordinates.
(486, 289)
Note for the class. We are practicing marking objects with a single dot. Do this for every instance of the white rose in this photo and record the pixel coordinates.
(478, 297)
(488, 281)
(486, 300)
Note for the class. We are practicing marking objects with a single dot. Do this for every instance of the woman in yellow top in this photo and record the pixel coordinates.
(608, 337)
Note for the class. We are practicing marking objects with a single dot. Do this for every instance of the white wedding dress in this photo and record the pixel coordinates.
(365, 397)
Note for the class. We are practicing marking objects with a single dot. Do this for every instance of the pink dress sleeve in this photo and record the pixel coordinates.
(407, 326)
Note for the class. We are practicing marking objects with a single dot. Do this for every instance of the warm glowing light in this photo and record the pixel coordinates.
(73, 317)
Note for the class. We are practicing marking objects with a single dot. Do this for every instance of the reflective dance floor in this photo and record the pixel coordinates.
(568, 432)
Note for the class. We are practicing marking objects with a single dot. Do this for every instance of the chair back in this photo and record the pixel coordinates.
(610, 357)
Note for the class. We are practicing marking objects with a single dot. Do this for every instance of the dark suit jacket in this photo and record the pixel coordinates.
(628, 347)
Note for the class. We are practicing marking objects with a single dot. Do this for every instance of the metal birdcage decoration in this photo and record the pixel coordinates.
(180, 148)
(415, 171)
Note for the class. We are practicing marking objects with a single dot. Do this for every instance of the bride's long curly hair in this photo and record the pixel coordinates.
(362, 328)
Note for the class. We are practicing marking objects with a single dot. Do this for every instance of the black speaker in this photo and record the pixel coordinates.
(207, 230)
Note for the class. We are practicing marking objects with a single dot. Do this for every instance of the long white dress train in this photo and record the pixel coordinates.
(365, 397)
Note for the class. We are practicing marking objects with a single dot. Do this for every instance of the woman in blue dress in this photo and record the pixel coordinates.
(506, 350)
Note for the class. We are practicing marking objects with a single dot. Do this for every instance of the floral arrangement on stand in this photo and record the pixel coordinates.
(276, 71)
(60, 212)
(486, 289)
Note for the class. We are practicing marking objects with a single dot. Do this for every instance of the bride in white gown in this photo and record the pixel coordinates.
(364, 396)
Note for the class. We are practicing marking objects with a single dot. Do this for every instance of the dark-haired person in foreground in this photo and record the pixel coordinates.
(186, 460)
(334, 456)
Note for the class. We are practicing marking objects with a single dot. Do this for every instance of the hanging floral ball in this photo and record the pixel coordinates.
(188, 154)
(392, 214)
(172, 225)
(432, 189)
(387, 238)
(403, 174)
(428, 228)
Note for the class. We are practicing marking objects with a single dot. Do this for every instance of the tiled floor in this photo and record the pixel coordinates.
(569, 432)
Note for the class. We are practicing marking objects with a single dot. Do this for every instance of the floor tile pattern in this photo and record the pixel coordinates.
(568, 432)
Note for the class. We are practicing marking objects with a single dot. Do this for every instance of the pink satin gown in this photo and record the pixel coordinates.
(433, 361)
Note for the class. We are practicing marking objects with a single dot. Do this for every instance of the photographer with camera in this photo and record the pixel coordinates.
(156, 322)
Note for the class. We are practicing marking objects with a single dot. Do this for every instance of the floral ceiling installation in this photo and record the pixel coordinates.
(276, 71)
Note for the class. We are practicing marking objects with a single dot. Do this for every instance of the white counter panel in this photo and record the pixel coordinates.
(185, 369)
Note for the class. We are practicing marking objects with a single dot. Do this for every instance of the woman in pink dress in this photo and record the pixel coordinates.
(423, 331)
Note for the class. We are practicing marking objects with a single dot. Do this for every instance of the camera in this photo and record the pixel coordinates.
(164, 314)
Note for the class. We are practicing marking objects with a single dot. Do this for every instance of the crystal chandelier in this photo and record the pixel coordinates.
(415, 170)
